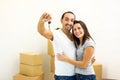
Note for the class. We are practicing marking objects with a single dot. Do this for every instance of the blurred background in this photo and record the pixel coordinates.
(18, 31)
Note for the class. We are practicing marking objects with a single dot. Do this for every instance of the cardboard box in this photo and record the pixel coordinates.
(107, 79)
(31, 70)
(50, 48)
(51, 76)
(23, 77)
(52, 64)
(98, 70)
(52, 56)
(31, 58)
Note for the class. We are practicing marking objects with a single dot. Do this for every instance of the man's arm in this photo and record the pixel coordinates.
(41, 26)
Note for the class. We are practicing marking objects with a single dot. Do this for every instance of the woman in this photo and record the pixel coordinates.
(85, 46)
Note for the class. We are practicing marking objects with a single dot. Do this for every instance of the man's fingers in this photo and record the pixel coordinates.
(46, 17)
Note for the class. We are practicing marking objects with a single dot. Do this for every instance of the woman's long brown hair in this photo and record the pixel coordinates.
(86, 33)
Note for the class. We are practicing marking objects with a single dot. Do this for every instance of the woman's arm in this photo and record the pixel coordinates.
(82, 64)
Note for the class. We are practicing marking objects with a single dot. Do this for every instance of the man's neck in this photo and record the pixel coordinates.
(68, 34)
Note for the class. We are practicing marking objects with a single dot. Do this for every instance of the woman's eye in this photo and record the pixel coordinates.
(79, 28)
(74, 29)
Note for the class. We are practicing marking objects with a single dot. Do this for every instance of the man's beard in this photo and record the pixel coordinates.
(68, 27)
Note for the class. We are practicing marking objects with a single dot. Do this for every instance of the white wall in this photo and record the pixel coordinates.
(18, 31)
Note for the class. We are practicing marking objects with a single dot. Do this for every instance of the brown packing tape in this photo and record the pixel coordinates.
(31, 58)
(23, 77)
(30, 70)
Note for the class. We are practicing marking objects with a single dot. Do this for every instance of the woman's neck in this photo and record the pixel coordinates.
(81, 39)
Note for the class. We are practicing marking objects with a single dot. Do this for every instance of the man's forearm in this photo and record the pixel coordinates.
(41, 27)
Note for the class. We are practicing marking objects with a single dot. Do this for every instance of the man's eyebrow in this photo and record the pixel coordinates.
(66, 17)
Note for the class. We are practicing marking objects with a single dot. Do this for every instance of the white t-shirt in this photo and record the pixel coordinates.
(61, 43)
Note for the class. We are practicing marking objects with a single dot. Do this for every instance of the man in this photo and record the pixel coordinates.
(62, 42)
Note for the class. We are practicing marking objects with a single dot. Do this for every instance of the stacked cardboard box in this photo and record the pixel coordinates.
(98, 70)
(30, 67)
(52, 63)
(24, 77)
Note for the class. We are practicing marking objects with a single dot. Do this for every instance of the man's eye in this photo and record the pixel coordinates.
(66, 19)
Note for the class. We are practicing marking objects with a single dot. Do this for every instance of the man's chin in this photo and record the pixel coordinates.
(69, 29)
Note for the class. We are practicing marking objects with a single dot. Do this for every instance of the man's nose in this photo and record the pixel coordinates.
(70, 22)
